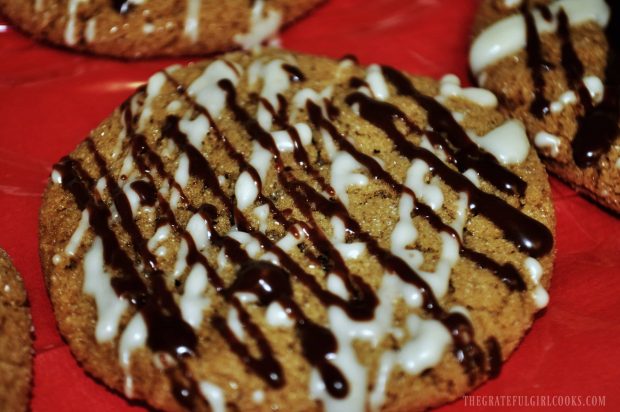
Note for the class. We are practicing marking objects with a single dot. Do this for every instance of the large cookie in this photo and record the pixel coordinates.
(15, 339)
(143, 28)
(556, 66)
(286, 232)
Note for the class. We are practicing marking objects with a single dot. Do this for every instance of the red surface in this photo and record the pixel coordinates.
(50, 99)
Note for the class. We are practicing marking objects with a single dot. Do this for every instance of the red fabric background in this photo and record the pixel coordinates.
(50, 99)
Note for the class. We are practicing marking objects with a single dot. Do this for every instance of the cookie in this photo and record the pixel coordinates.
(142, 28)
(15, 339)
(275, 231)
(555, 65)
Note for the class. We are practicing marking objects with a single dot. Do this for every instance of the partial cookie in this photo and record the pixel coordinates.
(556, 66)
(277, 231)
(15, 339)
(146, 28)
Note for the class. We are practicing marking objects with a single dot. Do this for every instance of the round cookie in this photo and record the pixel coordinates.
(15, 339)
(147, 28)
(276, 231)
(553, 66)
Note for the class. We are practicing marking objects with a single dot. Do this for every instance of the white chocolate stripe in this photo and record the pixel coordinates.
(192, 20)
(70, 29)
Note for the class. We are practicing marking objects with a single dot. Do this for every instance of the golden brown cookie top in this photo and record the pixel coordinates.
(145, 28)
(277, 230)
(15, 339)
(555, 66)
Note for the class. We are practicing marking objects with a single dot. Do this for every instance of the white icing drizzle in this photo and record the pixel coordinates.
(90, 32)
(565, 99)
(283, 139)
(215, 396)
(508, 143)
(376, 81)
(347, 250)
(507, 36)
(246, 189)
(462, 206)
(148, 28)
(473, 177)
(192, 20)
(133, 337)
(248, 242)
(38, 5)
(234, 324)
(405, 233)
(302, 96)
(429, 193)
(258, 397)
(512, 3)
(262, 213)
(262, 26)
(56, 177)
(277, 317)
(76, 238)
(548, 143)
(450, 86)
(343, 167)
(193, 303)
(195, 129)
(425, 349)
(181, 264)
(275, 81)
(110, 307)
(336, 285)
(539, 294)
(343, 174)
(153, 88)
(596, 88)
(72, 9)
(206, 90)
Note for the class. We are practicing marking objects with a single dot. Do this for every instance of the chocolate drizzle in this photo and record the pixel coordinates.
(537, 64)
(495, 357)
(573, 68)
(598, 128)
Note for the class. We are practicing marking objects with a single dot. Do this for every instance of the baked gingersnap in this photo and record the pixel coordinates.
(276, 231)
(146, 28)
(555, 65)
(15, 339)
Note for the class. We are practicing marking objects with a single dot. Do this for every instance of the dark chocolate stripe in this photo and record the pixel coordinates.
(573, 68)
(540, 105)
(598, 128)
